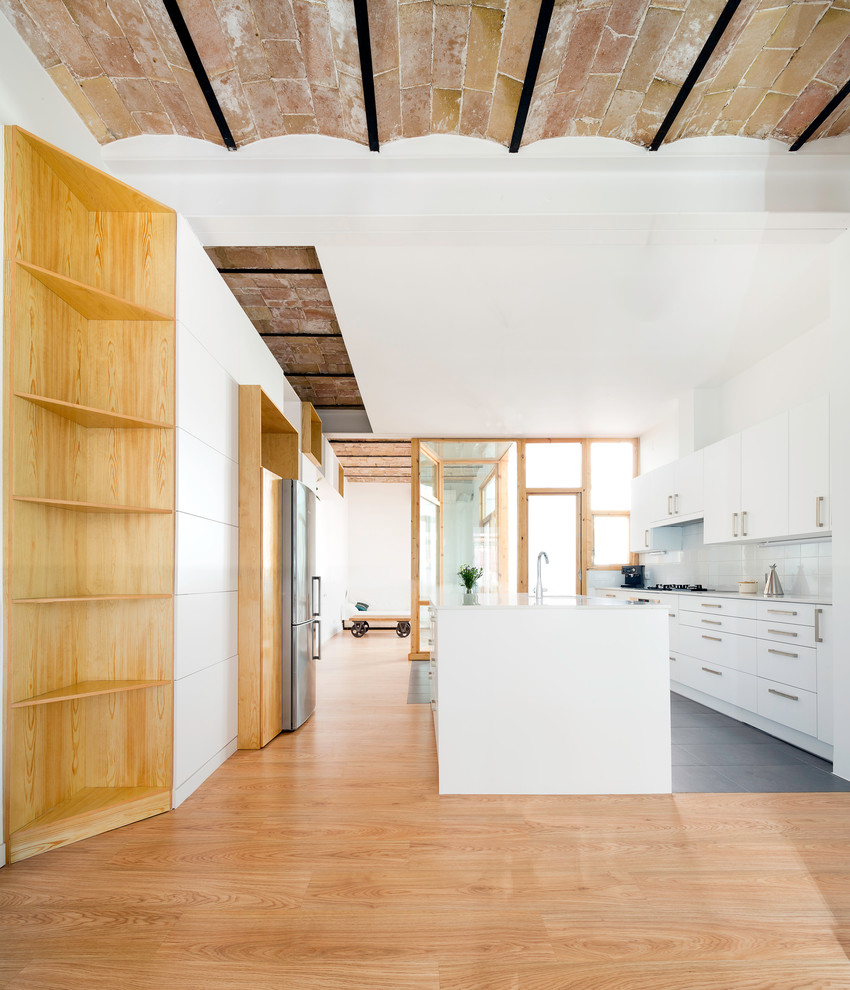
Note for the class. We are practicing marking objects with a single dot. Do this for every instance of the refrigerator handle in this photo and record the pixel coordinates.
(317, 640)
(317, 600)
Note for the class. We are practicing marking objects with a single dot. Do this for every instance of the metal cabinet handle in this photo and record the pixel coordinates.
(717, 639)
(646, 537)
(782, 632)
(317, 640)
(782, 694)
(734, 523)
(669, 505)
(782, 653)
(672, 615)
(709, 605)
(609, 596)
(780, 611)
(743, 524)
(675, 505)
(818, 504)
(672, 658)
(708, 670)
(317, 601)
(712, 622)
(818, 613)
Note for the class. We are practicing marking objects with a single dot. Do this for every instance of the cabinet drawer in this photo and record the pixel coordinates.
(787, 633)
(788, 705)
(720, 622)
(799, 615)
(734, 686)
(788, 664)
(718, 606)
(729, 650)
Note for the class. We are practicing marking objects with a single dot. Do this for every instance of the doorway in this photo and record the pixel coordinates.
(554, 527)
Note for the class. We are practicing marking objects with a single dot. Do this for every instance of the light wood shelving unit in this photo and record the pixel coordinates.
(311, 434)
(268, 451)
(89, 522)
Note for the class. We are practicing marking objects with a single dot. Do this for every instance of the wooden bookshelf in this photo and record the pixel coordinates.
(89, 474)
(311, 434)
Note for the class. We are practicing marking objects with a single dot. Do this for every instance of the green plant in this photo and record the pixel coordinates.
(469, 575)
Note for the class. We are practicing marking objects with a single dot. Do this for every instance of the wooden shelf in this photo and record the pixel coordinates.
(88, 812)
(87, 689)
(311, 434)
(93, 418)
(87, 598)
(93, 304)
(59, 503)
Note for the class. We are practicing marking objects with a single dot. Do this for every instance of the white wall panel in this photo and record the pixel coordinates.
(207, 396)
(206, 555)
(205, 629)
(206, 716)
(379, 545)
(207, 481)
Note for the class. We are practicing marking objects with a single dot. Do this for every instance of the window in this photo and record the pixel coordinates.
(611, 472)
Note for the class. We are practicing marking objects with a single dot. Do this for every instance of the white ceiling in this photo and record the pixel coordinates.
(565, 339)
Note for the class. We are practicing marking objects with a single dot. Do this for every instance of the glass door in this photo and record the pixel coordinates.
(554, 527)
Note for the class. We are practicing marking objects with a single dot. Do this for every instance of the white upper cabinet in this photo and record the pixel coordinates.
(764, 479)
(688, 489)
(669, 494)
(809, 508)
(648, 496)
(722, 495)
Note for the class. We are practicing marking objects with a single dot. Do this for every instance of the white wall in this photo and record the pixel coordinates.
(379, 545)
(332, 556)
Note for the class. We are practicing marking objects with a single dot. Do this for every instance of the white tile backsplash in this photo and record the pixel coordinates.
(803, 569)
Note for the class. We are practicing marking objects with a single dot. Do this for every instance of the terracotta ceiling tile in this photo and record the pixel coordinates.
(836, 125)
(597, 95)
(626, 15)
(102, 95)
(273, 297)
(141, 34)
(767, 115)
(204, 26)
(581, 50)
(621, 119)
(75, 96)
(275, 19)
(318, 311)
(748, 47)
(613, 52)
(731, 36)
(829, 33)
(505, 103)
(287, 312)
(284, 59)
(197, 104)
(383, 35)
(557, 39)
(234, 282)
(153, 123)
(94, 18)
(320, 326)
(658, 28)
(294, 96)
(65, 37)
(257, 312)
(138, 94)
(562, 114)
(538, 112)
(416, 111)
(315, 35)
(495, 4)
(482, 54)
(292, 257)
(837, 69)
(329, 116)
(251, 297)
(265, 109)
(240, 29)
(803, 111)
(451, 32)
(33, 34)
(353, 109)
(116, 57)
(234, 105)
(658, 100)
(796, 25)
(415, 29)
(520, 24)
(742, 104)
(299, 280)
(246, 257)
(765, 68)
(445, 111)
(475, 113)
(137, 16)
(314, 293)
(171, 97)
(699, 17)
(279, 324)
(388, 106)
(344, 36)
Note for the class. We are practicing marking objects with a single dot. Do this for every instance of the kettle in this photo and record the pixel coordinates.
(772, 587)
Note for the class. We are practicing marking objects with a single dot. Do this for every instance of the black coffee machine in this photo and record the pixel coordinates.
(632, 575)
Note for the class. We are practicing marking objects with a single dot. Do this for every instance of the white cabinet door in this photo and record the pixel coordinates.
(808, 468)
(823, 645)
(722, 490)
(764, 479)
(688, 485)
(642, 488)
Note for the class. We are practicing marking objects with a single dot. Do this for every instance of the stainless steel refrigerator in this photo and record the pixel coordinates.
(302, 601)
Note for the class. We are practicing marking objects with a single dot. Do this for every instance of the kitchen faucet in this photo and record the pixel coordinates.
(538, 591)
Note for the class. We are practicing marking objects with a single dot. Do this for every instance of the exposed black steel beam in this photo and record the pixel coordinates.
(185, 38)
(364, 44)
(269, 271)
(538, 42)
(317, 374)
(317, 336)
(827, 111)
(711, 43)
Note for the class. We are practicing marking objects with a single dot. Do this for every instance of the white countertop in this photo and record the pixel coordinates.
(451, 599)
(800, 599)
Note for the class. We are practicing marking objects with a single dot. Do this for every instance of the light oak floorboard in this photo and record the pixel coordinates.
(327, 861)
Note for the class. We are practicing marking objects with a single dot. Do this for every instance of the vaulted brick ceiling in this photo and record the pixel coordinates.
(609, 67)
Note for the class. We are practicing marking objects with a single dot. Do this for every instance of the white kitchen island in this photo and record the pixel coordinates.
(571, 696)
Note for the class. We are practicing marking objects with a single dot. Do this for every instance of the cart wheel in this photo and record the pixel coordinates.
(402, 629)
(359, 629)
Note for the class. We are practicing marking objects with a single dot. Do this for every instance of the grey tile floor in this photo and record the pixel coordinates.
(713, 753)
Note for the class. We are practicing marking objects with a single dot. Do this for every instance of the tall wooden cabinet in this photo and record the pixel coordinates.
(89, 499)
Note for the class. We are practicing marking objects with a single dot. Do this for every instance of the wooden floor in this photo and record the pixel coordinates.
(329, 861)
